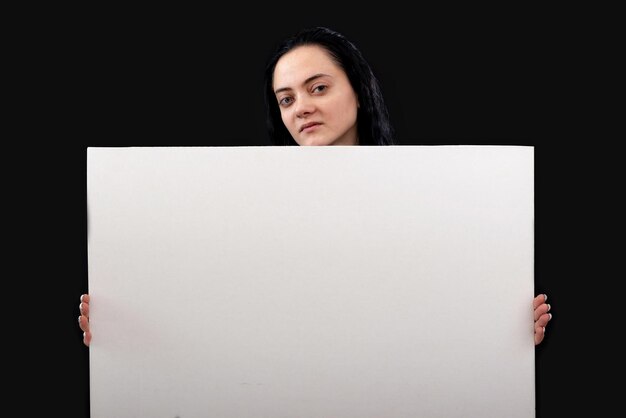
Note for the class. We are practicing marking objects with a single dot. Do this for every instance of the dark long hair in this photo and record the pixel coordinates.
(373, 125)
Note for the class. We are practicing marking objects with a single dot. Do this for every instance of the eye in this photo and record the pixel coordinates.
(319, 88)
(285, 101)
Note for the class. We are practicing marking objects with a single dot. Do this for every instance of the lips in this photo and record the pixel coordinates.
(308, 125)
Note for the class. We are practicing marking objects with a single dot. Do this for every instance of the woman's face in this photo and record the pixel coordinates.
(317, 103)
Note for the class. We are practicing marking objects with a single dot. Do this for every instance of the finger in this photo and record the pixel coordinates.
(83, 323)
(87, 338)
(543, 320)
(539, 299)
(84, 298)
(542, 309)
(84, 309)
(540, 333)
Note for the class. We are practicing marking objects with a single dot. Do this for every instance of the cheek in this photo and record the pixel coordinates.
(286, 118)
(349, 115)
(349, 108)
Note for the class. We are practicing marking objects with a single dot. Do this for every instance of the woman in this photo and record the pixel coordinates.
(319, 90)
(340, 103)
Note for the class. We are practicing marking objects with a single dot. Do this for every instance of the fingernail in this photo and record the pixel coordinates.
(80, 307)
(544, 330)
(79, 320)
(550, 316)
(545, 297)
(549, 307)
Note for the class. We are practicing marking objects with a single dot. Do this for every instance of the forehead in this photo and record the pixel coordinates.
(297, 65)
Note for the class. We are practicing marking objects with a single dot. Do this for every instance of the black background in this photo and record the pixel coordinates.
(148, 77)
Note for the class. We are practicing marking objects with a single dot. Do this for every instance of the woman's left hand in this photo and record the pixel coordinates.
(542, 316)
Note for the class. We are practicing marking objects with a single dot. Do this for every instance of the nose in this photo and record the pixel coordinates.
(304, 106)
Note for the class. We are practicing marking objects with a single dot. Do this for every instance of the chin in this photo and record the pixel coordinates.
(313, 142)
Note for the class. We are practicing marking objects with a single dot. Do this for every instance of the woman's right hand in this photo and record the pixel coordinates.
(83, 319)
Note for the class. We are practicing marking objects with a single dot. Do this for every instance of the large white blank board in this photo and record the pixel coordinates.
(311, 281)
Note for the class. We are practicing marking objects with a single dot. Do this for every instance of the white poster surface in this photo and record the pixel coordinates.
(321, 282)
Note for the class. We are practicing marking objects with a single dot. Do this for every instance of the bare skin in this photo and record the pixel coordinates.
(542, 317)
(317, 103)
(319, 107)
(83, 319)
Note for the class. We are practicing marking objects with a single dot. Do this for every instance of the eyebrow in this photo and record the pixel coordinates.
(307, 81)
